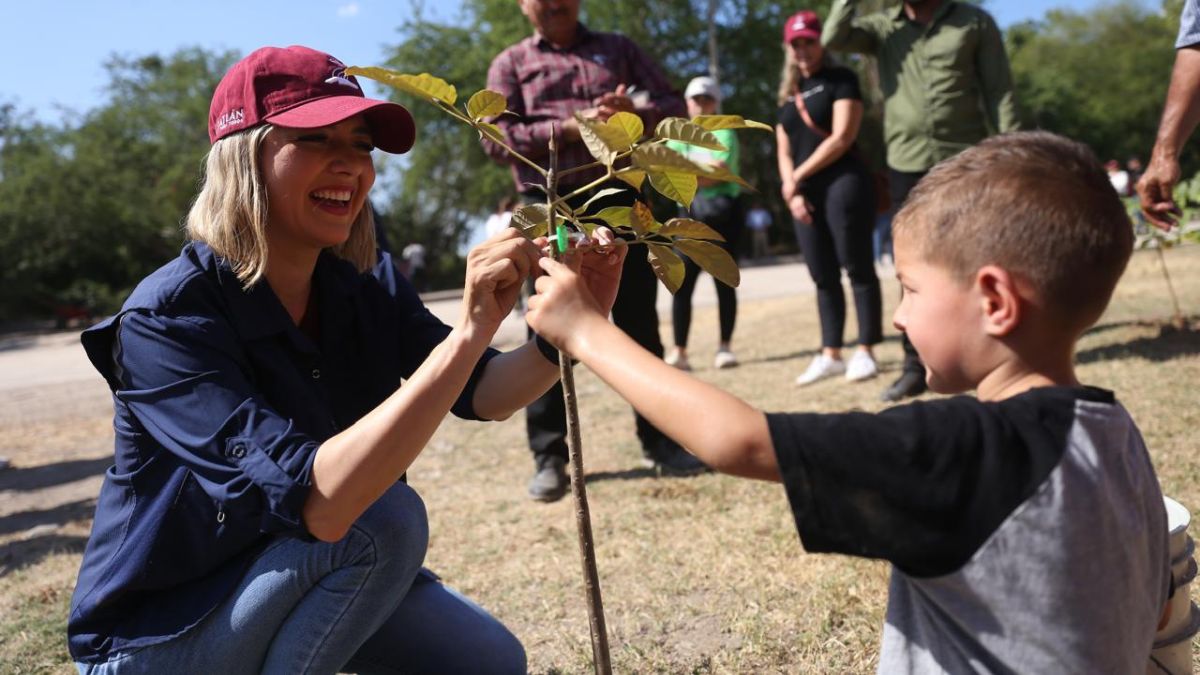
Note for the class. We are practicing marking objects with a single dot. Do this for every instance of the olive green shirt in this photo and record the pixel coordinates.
(946, 84)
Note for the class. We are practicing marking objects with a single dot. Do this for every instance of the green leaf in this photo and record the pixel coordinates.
(714, 122)
(668, 266)
(641, 219)
(615, 216)
(691, 229)
(486, 103)
(424, 85)
(634, 177)
(712, 259)
(599, 195)
(676, 185)
(630, 123)
(656, 157)
(532, 220)
(679, 129)
(602, 140)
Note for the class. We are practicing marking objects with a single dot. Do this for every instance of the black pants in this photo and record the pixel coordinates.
(633, 312)
(723, 214)
(843, 217)
(900, 183)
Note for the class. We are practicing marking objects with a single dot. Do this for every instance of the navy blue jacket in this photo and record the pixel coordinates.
(220, 403)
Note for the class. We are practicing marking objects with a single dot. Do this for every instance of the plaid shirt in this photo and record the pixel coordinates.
(545, 85)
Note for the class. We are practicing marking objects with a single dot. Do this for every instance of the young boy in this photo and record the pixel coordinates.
(1025, 527)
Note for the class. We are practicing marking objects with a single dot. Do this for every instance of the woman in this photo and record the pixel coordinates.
(256, 519)
(717, 205)
(829, 193)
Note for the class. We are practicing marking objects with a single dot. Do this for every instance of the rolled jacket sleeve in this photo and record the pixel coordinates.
(185, 381)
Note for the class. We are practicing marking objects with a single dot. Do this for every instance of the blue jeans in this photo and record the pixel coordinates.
(362, 604)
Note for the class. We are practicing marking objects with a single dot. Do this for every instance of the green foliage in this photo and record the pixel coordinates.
(1100, 77)
(87, 211)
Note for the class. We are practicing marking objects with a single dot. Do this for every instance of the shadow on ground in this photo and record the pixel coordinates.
(1170, 343)
(39, 477)
(19, 555)
(52, 517)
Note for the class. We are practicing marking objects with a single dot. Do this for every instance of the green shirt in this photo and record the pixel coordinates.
(946, 84)
(703, 155)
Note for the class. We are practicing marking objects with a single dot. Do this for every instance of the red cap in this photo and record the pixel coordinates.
(802, 24)
(301, 88)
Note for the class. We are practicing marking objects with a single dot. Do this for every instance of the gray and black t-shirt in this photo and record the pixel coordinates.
(1027, 535)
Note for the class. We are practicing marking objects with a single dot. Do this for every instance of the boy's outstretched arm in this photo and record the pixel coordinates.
(722, 430)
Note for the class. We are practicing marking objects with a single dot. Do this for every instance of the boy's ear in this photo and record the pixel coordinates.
(1000, 301)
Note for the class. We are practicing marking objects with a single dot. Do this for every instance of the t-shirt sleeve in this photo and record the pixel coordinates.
(845, 85)
(921, 485)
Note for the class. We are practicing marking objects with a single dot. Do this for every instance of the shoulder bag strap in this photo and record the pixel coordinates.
(808, 120)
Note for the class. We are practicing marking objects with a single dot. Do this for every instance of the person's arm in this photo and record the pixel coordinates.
(723, 431)
(847, 117)
(663, 99)
(783, 158)
(995, 79)
(1180, 116)
(845, 31)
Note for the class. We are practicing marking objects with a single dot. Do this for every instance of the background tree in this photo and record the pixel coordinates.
(87, 211)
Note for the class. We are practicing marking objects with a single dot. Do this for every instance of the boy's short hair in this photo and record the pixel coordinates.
(230, 212)
(1037, 204)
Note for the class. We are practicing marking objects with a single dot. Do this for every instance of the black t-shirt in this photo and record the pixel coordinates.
(831, 83)
(921, 485)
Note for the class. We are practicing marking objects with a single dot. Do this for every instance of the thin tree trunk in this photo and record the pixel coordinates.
(583, 519)
(714, 61)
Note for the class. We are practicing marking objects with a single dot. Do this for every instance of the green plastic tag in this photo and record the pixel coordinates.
(560, 234)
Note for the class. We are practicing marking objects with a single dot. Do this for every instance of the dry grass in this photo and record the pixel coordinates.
(699, 574)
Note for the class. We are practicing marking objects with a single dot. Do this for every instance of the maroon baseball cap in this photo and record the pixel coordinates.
(802, 24)
(301, 88)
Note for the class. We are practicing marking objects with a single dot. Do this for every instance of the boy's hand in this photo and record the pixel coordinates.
(570, 293)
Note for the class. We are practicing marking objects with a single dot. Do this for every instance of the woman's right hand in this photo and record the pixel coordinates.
(801, 209)
(495, 271)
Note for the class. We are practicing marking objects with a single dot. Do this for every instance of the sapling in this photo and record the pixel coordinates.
(625, 152)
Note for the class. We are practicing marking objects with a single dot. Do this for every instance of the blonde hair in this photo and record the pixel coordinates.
(1035, 203)
(789, 77)
(230, 214)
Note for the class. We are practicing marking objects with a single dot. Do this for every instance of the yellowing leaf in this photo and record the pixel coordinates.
(489, 130)
(676, 185)
(630, 123)
(668, 267)
(606, 192)
(692, 229)
(634, 177)
(424, 85)
(724, 175)
(679, 129)
(656, 157)
(712, 259)
(714, 122)
(602, 140)
(532, 220)
(615, 216)
(486, 103)
(641, 219)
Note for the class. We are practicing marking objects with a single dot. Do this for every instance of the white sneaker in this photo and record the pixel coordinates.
(724, 359)
(821, 367)
(678, 360)
(861, 367)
